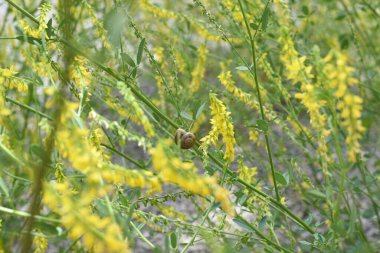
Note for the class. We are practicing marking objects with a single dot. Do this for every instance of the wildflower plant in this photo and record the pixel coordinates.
(277, 102)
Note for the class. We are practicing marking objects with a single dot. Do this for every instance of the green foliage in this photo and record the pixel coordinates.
(93, 92)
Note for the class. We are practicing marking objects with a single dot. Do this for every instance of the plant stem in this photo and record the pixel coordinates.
(252, 41)
(27, 107)
(25, 214)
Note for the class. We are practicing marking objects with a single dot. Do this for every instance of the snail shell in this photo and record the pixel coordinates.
(186, 139)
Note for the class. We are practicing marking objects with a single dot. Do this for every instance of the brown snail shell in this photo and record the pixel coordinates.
(186, 139)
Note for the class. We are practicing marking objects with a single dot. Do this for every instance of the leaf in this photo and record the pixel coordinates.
(316, 194)
(262, 125)
(199, 111)
(280, 178)
(140, 51)
(49, 30)
(243, 224)
(254, 26)
(242, 68)
(263, 222)
(4, 187)
(173, 240)
(243, 199)
(186, 115)
(128, 59)
(265, 18)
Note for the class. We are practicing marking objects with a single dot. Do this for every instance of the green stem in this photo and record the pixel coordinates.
(263, 237)
(25, 214)
(124, 156)
(196, 233)
(341, 163)
(11, 155)
(27, 107)
(253, 49)
(142, 236)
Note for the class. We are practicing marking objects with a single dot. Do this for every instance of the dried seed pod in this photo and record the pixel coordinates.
(186, 139)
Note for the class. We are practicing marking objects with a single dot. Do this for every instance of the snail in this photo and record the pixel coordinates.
(186, 139)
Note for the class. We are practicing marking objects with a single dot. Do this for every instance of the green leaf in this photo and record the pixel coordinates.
(128, 59)
(265, 19)
(280, 178)
(316, 194)
(305, 10)
(243, 224)
(199, 111)
(262, 125)
(4, 187)
(173, 240)
(242, 68)
(254, 26)
(140, 51)
(263, 222)
(186, 115)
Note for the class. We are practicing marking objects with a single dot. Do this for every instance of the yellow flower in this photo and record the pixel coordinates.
(157, 11)
(199, 70)
(79, 73)
(8, 76)
(340, 78)
(40, 243)
(225, 78)
(99, 27)
(221, 124)
(136, 113)
(173, 170)
(97, 234)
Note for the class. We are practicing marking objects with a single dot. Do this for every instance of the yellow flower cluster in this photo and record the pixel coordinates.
(294, 65)
(245, 173)
(121, 131)
(97, 234)
(39, 62)
(40, 243)
(8, 76)
(183, 174)
(225, 77)
(79, 73)
(44, 10)
(99, 27)
(169, 211)
(339, 74)
(156, 11)
(203, 32)
(134, 178)
(298, 72)
(180, 62)
(74, 145)
(221, 125)
(236, 12)
(199, 70)
(136, 113)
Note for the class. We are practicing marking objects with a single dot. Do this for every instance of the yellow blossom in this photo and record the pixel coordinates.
(100, 31)
(157, 11)
(200, 69)
(79, 73)
(173, 170)
(40, 243)
(136, 113)
(8, 77)
(340, 78)
(97, 234)
(221, 124)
